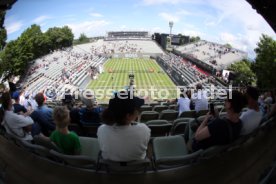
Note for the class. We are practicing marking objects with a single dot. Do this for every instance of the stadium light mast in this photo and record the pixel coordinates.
(171, 26)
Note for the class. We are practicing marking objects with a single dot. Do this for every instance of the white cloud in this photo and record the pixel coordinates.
(90, 28)
(156, 30)
(13, 25)
(169, 17)
(123, 27)
(193, 33)
(41, 19)
(183, 12)
(96, 14)
(158, 2)
(246, 43)
(249, 23)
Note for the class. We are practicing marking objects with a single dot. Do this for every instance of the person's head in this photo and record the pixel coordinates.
(234, 102)
(198, 86)
(252, 95)
(89, 100)
(6, 101)
(39, 98)
(16, 96)
(6, 104)
(123, 108)
(61, 116)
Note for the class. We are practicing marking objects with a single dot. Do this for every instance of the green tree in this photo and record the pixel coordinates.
(12, 60)
(194, 39)
(68, 36)
(32, 44)
(228, 45)
(3, 31)
(60, 37)
(265, 64)
(244, 74)
(83, 38)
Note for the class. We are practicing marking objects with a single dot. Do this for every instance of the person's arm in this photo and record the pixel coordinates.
(272, 111)
(202, 131)
(24, 121)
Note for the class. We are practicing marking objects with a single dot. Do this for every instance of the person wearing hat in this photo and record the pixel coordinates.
(92, 112)
(17, 107)
(120, 138)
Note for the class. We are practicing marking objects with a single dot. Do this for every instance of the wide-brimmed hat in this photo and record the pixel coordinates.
(124, 100)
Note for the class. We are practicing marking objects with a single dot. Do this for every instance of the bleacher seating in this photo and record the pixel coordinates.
(169, 150)
(208, 51)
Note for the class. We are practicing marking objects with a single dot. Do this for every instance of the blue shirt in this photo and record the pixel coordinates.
(43, 116)
(88, 116)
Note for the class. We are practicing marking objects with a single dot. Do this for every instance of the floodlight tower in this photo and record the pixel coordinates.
(171, 26)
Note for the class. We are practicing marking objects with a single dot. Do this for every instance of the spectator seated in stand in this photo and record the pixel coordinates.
(200, 99)
(90, 114)
(184, 101)
(17, 107)
(68, 99)
(43, 116)
(221, 131)
(16, 125)
(252, 117)
(120, 138)
(67, 141)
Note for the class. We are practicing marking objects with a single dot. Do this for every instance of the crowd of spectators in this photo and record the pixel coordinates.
(179, 64)
(120, 137)
(212, 54)
(60, 69)
(116, 47)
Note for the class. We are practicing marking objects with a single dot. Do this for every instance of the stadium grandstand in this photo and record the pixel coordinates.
(215, 55)
(123, 110)
(127, 35)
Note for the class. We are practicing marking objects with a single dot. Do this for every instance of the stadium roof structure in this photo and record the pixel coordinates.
(267, 9)
(6, 4)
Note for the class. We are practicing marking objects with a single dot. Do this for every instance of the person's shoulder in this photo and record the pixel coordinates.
(54, 134)
(73, 135)
(103, 127)
(218, 122)
(142, 126)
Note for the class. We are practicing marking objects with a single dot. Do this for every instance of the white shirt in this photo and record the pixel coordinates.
(124, 143)
(184, 104)
(250, 121)
(200, 100)
(16, 123)
(33, 103)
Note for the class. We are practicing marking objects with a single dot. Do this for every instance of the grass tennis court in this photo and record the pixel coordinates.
(149, 79)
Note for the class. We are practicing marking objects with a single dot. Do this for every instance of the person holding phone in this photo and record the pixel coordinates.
(220, 131)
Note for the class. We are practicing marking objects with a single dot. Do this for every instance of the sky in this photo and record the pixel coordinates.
(231, 21)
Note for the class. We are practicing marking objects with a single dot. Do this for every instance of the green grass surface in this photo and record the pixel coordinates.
(149, 79)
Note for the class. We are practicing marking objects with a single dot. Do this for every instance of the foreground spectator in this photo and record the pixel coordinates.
(253, 116)
(120, 138)
(67, 141)
(17, 125)
(43, 116)
(221, 131)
